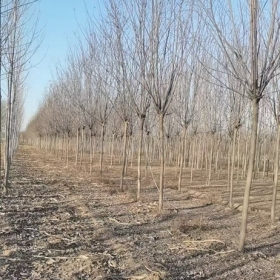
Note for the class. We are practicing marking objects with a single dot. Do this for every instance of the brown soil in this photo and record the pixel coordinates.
(60, 223)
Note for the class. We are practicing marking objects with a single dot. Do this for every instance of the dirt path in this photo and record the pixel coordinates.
(57, 223)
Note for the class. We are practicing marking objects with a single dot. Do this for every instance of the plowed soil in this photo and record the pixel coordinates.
(59, 222)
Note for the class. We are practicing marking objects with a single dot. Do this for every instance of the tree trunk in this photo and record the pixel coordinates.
(56, 145)
(182, 159)
(124, 154)
(131, 150)
(193, 158)
(82, 146)
(147, 149)
(276, 170)
(77, 145)
(254, 134)
(246, 160)
(7, 161)
(217, 157)
(204, 162)
(267, 170)
(112, 148)
(102, 150)
(189, 156)
(67, 148)
(199, 149)
(90, 151)
(139, 157)
(209, 176)
(232, 167)
(162, 161)
(264, 165)
(254, 92)
(228, 167)
(238, 160)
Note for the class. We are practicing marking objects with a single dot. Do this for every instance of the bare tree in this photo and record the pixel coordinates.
(19, 46)
(136, 14)
(274, 102)
(252, 58)
(167, 34)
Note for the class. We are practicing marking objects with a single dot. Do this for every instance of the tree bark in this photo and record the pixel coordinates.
(141, 131)
(209, 176)
(264, 165)
(193, 158)
(112, 148)
(255, 95)
(82, 146)
(90, 151)
(238, 160)
(67, 148)
(254, 133)
(7, 161)
(276, 171)
(162, 162)
(232, 167)
(147, 159)
(102, 150)
(245, 160)
(182, 159)
(124, 154)
(77, 145)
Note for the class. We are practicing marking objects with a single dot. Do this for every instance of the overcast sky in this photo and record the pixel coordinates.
(59, 20)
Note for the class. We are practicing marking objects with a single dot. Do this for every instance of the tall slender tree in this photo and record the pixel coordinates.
(251, 48)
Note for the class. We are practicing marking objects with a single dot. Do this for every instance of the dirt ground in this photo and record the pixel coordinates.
(60, 223)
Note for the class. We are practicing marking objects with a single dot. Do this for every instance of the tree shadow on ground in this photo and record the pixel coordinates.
(266, 250)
